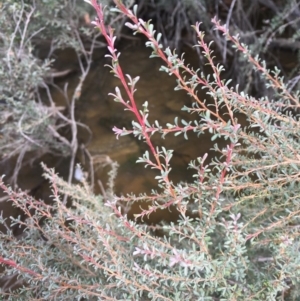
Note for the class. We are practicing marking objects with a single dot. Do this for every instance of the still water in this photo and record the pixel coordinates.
(98, 110)
(100, 113)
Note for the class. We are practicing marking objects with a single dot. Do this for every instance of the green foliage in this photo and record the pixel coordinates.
(237, 237)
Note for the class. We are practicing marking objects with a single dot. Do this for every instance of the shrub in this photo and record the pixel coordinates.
(237, 236)
(30, 121)
(29, 124)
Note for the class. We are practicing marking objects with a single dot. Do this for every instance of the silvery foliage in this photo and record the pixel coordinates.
(29, 120)
(237, 237)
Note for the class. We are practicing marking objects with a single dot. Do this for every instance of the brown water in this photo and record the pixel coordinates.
(100, 113)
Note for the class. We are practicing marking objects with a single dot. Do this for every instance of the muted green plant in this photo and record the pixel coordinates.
(237, 237)
(29, 122)
(28, 125)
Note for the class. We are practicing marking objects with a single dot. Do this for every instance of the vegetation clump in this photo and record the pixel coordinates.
(237, 237)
